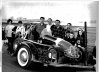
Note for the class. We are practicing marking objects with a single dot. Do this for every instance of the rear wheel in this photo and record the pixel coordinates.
(24, 56)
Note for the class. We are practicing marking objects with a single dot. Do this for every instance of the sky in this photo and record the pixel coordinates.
(75, 12)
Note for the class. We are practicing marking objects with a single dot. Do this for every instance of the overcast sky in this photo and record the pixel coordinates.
(75, 12)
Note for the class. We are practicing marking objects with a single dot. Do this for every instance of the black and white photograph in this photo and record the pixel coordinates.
(49, 35)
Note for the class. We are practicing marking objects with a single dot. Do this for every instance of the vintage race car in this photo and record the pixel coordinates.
(52, 51)
(49, 51)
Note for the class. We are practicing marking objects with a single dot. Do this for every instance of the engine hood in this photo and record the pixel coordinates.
(69, 50)
(62, 43)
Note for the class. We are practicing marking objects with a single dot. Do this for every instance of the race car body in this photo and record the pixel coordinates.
(49, 50)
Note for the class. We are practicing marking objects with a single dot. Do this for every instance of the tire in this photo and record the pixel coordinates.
(24, 61)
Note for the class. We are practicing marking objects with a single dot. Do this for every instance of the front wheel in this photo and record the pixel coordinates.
(24, 56)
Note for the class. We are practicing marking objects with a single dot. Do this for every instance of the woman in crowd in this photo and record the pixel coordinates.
(80, 38)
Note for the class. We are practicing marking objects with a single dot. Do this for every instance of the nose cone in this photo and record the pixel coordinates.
(68, 49)
(64, 45)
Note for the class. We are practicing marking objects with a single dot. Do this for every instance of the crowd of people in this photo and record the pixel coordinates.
(35, 32)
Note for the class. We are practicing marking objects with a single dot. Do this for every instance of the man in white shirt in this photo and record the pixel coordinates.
(9, 31)
(20, 29)
(49, 25)
(47, 30)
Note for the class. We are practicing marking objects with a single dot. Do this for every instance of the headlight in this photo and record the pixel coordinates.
(15, 46)
(52, 54)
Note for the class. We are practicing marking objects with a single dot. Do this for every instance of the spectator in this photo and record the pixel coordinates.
(28, 31)
(34, 35)
(72, 39)
(68, 28)
(41, 26)
(67, 37)
(49, 21)
(80, 38)
(9, 28)
(48, 26)
(57, 30)
(20, 31)
(47, 30)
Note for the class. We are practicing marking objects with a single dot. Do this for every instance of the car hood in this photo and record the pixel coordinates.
(69, 50)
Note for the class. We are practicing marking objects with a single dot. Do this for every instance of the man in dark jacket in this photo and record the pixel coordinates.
(72, 39)
(57, 29)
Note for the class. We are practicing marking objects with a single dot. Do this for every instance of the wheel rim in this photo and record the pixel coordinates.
(23, 57)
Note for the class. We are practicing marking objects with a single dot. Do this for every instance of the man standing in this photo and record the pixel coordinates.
(41, 26)
(9, 28)
(68, 30)
(57, 29)
(20, 29)
(47, 30)
(49, 21)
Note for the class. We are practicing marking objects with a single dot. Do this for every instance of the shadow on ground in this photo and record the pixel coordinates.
(38, 67)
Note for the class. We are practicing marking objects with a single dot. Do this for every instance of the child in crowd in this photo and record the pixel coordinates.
(80, 38)
(67, 37)
(72, 39)
(20, 31)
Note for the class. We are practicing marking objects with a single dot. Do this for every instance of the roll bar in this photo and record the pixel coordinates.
(85, 33)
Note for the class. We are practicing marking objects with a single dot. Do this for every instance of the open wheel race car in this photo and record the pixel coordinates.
(51, 51)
